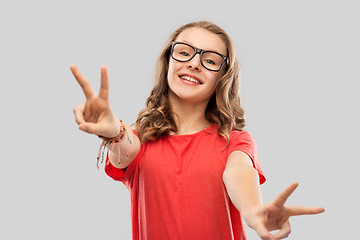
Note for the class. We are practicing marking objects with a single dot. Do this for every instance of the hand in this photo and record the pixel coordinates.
(275, 216)
(95, 116)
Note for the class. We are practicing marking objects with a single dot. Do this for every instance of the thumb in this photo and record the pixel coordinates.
(90, 128)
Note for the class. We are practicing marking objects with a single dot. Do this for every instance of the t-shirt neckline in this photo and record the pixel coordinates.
(209, 130)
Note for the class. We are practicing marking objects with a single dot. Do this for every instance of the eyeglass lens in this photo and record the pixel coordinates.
(210, 60)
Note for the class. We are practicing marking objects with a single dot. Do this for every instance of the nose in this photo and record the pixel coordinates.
(194, 63)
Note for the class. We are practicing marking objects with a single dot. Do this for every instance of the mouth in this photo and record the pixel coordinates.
(190, 79)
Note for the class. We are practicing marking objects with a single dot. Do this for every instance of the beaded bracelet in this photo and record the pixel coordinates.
(107, 141)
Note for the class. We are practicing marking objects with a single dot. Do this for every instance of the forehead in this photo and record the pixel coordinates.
(202, 38)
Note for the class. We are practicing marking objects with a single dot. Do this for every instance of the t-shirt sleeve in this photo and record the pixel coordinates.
(124, 175)
(115, 173)
(244, 142)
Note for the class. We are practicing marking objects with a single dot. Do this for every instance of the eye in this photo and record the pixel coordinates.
(184, 53)
(209, 61)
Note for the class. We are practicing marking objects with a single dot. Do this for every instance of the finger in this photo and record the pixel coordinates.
(284, 195)
(94, 128)
(104, 86)
(301, 210)
(263, 233)
(79, 116)
(284, 231)
(84, 84)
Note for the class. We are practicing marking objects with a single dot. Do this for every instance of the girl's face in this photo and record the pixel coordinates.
(191, 81)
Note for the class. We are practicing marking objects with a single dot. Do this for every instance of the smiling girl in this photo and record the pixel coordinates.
(191, 169)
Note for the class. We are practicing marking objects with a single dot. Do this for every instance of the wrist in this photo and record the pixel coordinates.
(249, 213)
(115, 133)
(110, 141)
(119, 126)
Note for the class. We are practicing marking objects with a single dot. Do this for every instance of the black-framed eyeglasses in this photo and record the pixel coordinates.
(210, 60)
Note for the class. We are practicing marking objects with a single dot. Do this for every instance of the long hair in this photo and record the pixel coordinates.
(224, 110)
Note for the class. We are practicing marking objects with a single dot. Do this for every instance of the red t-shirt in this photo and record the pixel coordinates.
(176, 187)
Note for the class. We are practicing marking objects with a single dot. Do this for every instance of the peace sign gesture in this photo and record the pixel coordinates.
(95, 116)
(275, 216)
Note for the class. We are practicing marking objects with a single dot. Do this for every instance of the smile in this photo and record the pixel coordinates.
(190, 79)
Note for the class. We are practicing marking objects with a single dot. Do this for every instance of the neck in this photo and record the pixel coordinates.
(189, 117)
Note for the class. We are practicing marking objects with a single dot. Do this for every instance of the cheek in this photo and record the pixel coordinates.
(214, 80)
(171, 74)
(170, 70)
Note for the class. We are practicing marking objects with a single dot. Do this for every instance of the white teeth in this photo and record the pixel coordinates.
(190, 79)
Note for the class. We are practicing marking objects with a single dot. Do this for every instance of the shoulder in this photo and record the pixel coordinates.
(241, 135)
(241, 141)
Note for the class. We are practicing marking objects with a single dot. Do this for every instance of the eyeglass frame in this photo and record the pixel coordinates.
(200, 51)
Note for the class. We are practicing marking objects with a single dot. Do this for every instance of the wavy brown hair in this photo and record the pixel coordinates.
(157, 119)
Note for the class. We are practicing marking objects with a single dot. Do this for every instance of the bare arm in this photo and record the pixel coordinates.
(129, 148)
(242, 184)
(96, 116)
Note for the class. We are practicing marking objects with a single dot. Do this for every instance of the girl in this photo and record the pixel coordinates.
(190, 167)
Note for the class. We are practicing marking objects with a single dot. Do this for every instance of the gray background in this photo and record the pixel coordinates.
(300, 74)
